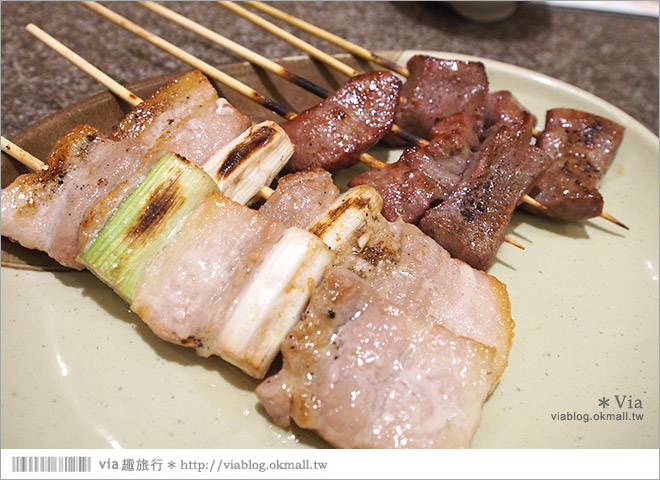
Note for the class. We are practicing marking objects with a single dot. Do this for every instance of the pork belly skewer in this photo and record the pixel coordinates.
(404, 71)
(477, 364)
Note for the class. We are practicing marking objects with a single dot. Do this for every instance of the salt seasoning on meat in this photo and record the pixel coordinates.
(333, 133)
(399, 347)
(581, 146)
(438, 88)
(424, 175)
(90, 174)
(471, 223)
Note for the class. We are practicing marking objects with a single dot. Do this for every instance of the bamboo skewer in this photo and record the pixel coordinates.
(207, 69)
(23, 156)
(104, 79)
(261, 61)
(349, 46)
(111, 84)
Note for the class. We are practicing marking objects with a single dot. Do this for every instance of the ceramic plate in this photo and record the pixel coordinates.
(79, 370)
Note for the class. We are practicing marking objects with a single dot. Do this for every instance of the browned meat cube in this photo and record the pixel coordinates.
(438, 88)
(334, 133)
(471, 223)
(424, 175)
(581, 146)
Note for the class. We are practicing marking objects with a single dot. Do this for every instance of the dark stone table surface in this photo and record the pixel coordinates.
(613, 56)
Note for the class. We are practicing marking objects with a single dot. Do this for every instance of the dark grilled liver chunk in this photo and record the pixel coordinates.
(471, 223)
(581, 146)
(333, 133)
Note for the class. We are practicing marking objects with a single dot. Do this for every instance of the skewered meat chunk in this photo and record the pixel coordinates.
(301, 198)
(236, 283)
(581, 146)
(503, 109)
(423, 176)
(333, 133)
(363, 373)
(44, 210)
(365, 306)
(471, 223)
(438, 88)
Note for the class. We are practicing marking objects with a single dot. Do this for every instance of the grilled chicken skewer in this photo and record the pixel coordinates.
(348, 46)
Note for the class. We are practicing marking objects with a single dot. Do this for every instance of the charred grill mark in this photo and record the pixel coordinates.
(156, 209)
(192, 341)
(321, 228)
(375, 254)
(257, 140)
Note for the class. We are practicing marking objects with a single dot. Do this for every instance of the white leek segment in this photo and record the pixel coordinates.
(144, 221)
(251, 161)
(273, 301)
(347, 216)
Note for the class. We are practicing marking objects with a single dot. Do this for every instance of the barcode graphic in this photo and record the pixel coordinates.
(51, 464)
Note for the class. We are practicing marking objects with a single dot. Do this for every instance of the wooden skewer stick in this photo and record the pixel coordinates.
(111, 84)
(321, 56)
(23, 156)
(261, 61)
(351, 47)
(97, 75)
(209, 70)
(330, 37)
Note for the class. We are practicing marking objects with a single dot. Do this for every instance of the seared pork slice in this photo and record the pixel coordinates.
(416, 274)
(362, 372)
(581, 146)
(424, 176)
(333, 133)
(471, 223)
(89, 175)
(438, 88)
(301, 197)
(236, 283)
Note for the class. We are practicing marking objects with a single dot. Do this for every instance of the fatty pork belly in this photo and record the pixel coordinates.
(400, 346)
(437, 88)
(89, 174)
(424, 175)
(236, 282)
(333, 133)
(581, 146)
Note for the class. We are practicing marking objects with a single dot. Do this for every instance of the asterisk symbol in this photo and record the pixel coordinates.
(171, 464)
(604, 402)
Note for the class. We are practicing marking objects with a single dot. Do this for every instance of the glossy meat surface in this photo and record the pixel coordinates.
(392, 288)
(471, 223)
(581, 146)
(365, 374)
(203, 269)
(438, 88)
(301, 197)
(425, 175)
(333, 133)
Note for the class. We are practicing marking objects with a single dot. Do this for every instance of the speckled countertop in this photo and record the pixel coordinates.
(613, 56)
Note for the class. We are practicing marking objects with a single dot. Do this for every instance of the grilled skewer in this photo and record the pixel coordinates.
(348, 46)
(206, 68)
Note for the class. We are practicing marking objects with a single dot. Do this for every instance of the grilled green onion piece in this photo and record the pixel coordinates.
(251, 161)
(140, 227)
(273, 301)
(347, 216)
